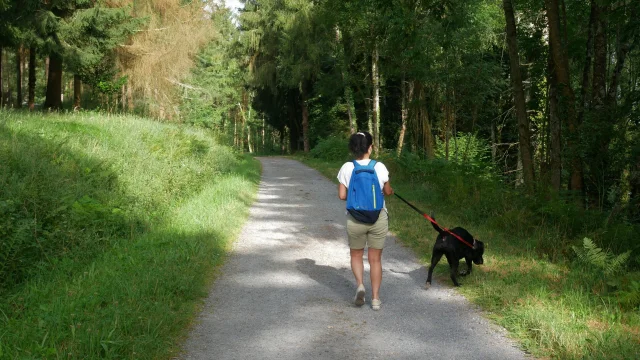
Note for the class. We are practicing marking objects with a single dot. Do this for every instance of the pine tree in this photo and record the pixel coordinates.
(79, 33)
(92, 34)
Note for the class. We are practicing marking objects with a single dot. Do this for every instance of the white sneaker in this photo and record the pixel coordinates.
(359, 299)
(375, 304)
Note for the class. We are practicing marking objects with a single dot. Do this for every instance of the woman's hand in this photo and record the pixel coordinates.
(387, 190)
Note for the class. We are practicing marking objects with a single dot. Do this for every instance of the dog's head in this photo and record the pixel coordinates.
(478, 250)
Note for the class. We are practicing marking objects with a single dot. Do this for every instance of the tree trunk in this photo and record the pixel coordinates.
(403, 115)
(599, 91)
(369, 106)
(375, 77)
(46, 69)
(54, 82)
(305, 118)
(447, 124)
(519, 172)
(77, 92)
(427, 136)
(241, 135)
(518, 97)
(584, 101)
(634, 183)
(18, 104)
(248, 122)
(244, 122)
(567, 105)
(494, 142)
(351, 113)
(622, 49)
(418, 118)
(599, 155)
(454, 123)
(32, 78)
(25, 69)
(555, 138)
(1, 82)
(242, 126)
(8, 98)
(235, 130)
(348, 92)
(291, 112)
(123, 97)
(67, 90)
(129, 96)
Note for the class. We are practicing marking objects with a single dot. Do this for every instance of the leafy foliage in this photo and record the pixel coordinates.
(601, 260)
(467, 150)
(91, 37)
(333, 148)
(217, 79)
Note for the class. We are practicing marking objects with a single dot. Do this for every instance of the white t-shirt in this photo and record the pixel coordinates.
(344, 175)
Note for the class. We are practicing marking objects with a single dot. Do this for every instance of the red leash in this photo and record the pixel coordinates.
(434, 222)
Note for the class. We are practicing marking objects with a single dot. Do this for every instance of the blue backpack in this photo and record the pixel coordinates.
(364, 196)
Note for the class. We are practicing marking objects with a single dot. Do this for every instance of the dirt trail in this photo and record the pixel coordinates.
(286, 292)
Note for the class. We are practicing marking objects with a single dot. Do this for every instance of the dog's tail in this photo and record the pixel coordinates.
(435, 226)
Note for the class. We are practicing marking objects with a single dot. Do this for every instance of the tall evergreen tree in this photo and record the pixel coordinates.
(81, 33)
(519, 99)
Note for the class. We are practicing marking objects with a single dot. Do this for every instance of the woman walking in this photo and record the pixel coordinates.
(367, 218)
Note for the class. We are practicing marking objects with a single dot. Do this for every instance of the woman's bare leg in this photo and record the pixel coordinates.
(357, 266)
(375, 256)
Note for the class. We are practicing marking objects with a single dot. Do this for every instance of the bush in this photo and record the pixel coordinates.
(477, 195)
(467, 150)
(333, 148)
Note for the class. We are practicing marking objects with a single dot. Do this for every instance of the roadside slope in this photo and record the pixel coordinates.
(110, 229)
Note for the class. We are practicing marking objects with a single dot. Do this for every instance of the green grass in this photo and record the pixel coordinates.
(552, 305)
(111, 229)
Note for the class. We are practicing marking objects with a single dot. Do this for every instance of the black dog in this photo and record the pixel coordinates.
(454, 250)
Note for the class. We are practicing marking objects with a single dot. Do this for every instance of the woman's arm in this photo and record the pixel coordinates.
(387, 190)
(342, 192)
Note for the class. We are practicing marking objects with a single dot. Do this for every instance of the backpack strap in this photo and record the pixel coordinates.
(364, 168)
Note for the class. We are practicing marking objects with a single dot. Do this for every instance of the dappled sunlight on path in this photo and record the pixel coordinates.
(286, 291)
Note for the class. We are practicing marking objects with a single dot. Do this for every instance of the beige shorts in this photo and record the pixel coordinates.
(371, 235)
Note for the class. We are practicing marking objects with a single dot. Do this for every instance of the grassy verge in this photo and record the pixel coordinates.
(554, 307)
(111, 228)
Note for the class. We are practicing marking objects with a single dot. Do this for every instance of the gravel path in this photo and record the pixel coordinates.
(286, 291)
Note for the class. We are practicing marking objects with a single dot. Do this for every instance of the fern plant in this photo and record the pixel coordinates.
(630, 297)
(593, 256)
